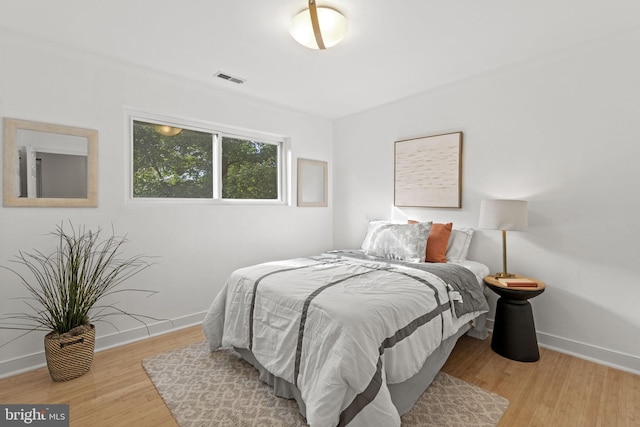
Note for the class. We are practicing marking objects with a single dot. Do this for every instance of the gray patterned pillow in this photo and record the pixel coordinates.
(373, 226)
(405, 242)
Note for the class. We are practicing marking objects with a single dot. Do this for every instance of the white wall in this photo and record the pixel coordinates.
(197, 245)
(563, 132)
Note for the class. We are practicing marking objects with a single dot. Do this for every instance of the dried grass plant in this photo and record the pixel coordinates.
(68, 287)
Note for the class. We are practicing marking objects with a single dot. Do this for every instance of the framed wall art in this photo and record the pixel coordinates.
(428, 171)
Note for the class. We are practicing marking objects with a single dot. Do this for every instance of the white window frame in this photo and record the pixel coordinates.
(218, 131)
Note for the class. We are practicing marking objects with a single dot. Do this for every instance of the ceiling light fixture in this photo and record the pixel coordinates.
(318, 27)
(167, 130)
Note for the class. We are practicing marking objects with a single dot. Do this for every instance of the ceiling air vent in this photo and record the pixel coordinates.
(224, 76)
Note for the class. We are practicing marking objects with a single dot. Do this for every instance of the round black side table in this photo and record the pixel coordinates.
(514, 331)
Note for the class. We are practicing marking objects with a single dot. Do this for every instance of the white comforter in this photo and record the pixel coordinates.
(338, 329)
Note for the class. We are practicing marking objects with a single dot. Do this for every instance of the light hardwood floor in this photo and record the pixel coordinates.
(558, 390)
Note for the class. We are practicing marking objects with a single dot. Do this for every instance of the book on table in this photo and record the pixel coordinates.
(518, 283)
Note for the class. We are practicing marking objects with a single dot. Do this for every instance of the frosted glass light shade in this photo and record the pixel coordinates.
(167, 130)
(333, 27)
(503, 215)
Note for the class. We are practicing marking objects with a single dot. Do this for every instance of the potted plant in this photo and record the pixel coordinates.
(67, 291)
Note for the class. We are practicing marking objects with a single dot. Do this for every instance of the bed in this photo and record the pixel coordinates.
(352, 336)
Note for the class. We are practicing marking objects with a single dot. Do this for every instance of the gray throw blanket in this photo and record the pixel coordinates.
(461, 279)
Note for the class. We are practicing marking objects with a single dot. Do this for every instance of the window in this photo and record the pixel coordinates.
(197, 163)
(249, 169)
(171, 162)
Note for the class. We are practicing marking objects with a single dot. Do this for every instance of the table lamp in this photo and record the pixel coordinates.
(503, 215)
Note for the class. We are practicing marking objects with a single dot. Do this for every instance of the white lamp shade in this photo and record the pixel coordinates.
(333, 27)
(504, 215)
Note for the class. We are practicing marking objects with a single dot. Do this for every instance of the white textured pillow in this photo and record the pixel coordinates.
(458, 246)
(405, 242)
(373, 226)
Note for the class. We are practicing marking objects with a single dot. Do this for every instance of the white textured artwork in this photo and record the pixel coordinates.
(427, 171)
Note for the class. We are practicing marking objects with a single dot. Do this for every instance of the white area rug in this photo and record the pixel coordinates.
(220, 389)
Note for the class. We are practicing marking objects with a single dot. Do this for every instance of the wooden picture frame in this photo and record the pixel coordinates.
(24, 139)
(428, 171)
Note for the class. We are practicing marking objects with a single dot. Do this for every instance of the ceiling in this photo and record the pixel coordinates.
(394, 48)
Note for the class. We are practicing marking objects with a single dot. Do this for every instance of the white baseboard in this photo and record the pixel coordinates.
(37, 360)
(603, 356)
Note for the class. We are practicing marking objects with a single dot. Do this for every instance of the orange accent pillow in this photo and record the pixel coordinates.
(437, 241)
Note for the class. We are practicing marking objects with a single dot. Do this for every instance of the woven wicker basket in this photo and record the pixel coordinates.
(69, 357)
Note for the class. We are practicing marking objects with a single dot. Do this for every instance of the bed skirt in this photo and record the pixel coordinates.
(404, 395)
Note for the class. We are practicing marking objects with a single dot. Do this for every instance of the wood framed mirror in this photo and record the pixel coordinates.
(48, 165)
(313, 188)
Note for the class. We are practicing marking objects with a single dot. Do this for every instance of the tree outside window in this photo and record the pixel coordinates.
(171, 165)
(249, 169)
